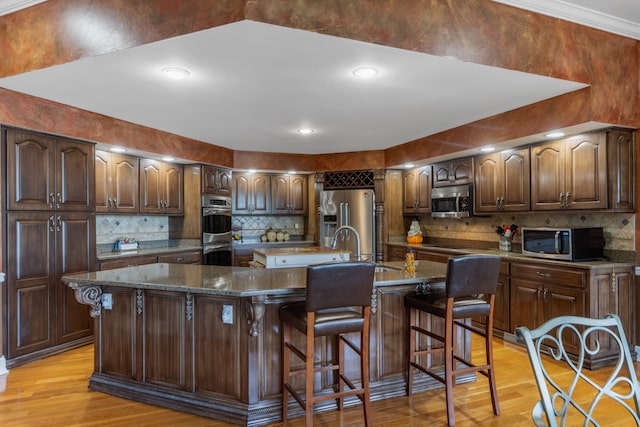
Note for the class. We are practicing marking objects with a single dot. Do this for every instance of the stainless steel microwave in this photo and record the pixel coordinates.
(570, 244)
(452, 202)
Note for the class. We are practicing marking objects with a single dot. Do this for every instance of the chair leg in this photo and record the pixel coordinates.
(412, 349)
(286, 369)
(309, 373)
(448, 363)
(364, 369)
(491, 372)
(340, 363)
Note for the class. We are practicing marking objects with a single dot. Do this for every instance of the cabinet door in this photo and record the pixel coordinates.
(462, 170)
(75, 176)
(223, 177)
(298, 195)
(526, 304)
(241, 198)
(75, 253)
(621, 157)
(124, 184)
(280, 188)
(150, 186)
(547, 176)
(173, 186)
(562, 301)
(442, 175)
(261, 194)
(410, 193)
(488, 183)
(30, 171)
(103, 181)
(417, 190)
(516, 177)
(216, 180)
(586, 172)
(30, 282)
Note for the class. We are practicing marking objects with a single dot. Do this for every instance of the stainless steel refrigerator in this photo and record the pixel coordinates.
(349, 207)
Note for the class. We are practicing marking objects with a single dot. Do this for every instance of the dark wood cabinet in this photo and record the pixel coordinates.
(161, 187)
(570, 173)
(454, 172)
(289, 194)
(502, 181)
(50, 187)
(251, 194)
(182, 257)
(116, 183)
(42, 312)
(49, 173)
(417, 190)
(621, 167)
(216, 180)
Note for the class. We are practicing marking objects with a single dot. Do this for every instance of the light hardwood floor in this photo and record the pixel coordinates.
(53, 392)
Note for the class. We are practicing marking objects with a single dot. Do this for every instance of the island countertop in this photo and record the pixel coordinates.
(236, 281)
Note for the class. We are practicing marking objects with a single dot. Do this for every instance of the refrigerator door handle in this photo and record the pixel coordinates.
(347, 214)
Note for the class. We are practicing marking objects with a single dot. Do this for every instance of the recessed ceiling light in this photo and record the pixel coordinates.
(117, 149)
(168, 159)
(176, 73)
(556, 134)
(408, 165)
(306, 131)
(487, 149)
(365, 72)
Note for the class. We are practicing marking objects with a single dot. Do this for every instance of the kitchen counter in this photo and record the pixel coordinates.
(160, 250)
(516, 256)
(285, 257)
(206, 339)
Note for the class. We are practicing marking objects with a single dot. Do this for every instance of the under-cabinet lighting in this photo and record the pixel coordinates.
(556, 134)
(251, 171)
(408, 165)
(487, 149)
(117, 149)
(168, 159)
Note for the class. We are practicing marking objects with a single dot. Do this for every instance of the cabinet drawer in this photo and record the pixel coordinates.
(549, 274)
(128, 262)
(396, 253)
(433, 256)
(182, 258)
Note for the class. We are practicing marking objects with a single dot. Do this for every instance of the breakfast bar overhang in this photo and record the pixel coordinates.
(206, 339)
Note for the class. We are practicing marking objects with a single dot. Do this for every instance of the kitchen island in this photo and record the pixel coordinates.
(206, 339)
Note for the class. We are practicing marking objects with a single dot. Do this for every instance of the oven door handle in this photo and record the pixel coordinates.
(216, 211)
(215, 248)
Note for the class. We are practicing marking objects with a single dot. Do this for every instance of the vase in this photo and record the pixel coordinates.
(505, 243)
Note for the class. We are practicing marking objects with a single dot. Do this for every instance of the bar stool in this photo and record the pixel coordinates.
(469, 291)
(338, 302)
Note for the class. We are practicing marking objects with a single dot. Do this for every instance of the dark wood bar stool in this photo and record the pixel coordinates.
(338, 302)
(469, 291)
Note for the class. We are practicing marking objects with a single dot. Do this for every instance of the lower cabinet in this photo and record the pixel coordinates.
(192, 257)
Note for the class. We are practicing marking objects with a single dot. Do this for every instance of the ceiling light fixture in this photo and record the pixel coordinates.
(176, 73)
(168, 159)
(306, 131)
(251, 171)
(117, 149)
(291, 172)
(408, 165)
(555, 134)
(365, 72)
(487, 149)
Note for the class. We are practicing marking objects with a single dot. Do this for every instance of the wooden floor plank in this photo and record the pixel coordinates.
(53, 392)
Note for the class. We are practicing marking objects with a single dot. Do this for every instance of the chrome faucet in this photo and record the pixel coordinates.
(346, 229)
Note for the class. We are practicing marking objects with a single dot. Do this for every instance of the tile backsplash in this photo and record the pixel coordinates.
(619, 228)
(110, 228)
(254, 226)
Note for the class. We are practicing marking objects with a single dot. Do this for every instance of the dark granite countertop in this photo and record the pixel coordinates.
(518, 256)
(235, 281)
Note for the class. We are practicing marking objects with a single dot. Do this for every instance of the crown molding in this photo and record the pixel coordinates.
(10, 6)
(578, 14)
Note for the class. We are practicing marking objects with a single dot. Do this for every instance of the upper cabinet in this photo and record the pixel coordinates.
(289, 194)
(454, 172)
(621, 158)
(417, 190)
(502, 181)
(116, 183)
(216, 180)
(251, 193)
(161, 187)
(49, 173)
(570, 173)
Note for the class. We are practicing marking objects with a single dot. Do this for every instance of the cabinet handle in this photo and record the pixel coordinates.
(180, 259)
(59, 200)
(613, 283)
(562, 200)
(502, 202)
(546, 294)
(58, 223)
(539, 292)
(51, 200)
(51, 223)
(568, 199)
(539, 273)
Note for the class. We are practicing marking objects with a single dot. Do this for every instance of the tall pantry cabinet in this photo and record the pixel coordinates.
(49, 232)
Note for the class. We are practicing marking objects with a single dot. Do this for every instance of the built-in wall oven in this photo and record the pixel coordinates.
(216, 230)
